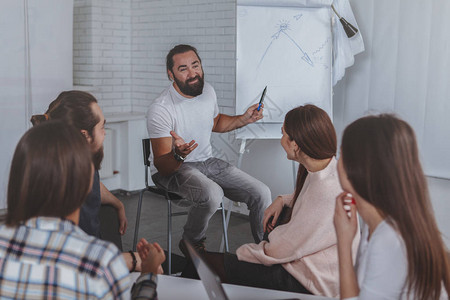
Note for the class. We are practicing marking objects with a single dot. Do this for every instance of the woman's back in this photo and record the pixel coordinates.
(53, 257)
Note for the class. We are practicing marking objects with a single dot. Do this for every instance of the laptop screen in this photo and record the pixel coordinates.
(209, 278)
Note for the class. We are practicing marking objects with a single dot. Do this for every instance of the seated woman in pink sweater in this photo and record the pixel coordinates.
(301, 255)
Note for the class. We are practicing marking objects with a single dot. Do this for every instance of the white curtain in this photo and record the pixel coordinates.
(405, 70)
(35, 66)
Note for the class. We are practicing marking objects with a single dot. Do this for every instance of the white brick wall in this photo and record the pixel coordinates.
(120, 47)
(102, 56)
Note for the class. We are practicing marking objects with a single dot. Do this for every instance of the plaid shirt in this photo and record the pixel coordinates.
(145, 287)
(50, 258)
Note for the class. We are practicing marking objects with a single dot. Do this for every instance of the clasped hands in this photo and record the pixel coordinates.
(152, 256)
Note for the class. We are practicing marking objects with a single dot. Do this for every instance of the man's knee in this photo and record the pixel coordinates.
(262, 197)
(210, 197)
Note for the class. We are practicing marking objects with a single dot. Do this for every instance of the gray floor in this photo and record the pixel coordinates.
(153, 224)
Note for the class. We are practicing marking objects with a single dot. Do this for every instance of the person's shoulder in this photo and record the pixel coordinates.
(161, 104)
(327, 180)
(102, 255)
(163, 97)
(108, 249)
(6, 230)
(208, 88)
(385, 234)
(6, 235)
(95, 248)
(208, 85)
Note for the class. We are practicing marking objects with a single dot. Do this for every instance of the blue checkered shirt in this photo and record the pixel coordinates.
(50, 258)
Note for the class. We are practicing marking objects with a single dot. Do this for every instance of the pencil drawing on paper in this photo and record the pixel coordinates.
(283, 26)
(297, 17)
(289, 51)
(317, 55)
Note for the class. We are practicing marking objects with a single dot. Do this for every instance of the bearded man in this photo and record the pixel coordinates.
(187, 110)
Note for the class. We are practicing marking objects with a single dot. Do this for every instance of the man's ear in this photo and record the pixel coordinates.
(170, 74)
(86, 134)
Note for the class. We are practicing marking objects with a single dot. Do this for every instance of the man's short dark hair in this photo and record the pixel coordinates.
(182, 48)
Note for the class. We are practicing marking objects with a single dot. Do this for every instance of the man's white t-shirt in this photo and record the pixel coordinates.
(190, 118)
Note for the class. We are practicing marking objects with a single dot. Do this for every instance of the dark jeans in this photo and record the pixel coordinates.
(231, 270)
(274, 277)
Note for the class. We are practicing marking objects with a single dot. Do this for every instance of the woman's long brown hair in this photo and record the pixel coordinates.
(50, 175)
(381, 159)
(313, 132)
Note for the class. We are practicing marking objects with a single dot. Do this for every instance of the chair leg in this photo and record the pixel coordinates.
(169, 236)
(229, 212)
(138, 217)
(225, 228)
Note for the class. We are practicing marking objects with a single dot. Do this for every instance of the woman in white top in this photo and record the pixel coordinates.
(401, 254)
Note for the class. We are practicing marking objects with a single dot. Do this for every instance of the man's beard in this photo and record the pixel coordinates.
(191, 89)
(97, 158)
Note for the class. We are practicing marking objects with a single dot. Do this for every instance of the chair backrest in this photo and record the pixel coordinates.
(146, 151)
(157, 189)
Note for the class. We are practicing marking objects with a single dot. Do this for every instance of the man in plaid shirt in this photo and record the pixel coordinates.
(43, 253)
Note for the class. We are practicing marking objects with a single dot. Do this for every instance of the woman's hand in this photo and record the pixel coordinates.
(152, 256)
(345, 219)
(274, 211)
(346, 225)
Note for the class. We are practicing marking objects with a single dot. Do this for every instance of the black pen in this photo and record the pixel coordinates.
(262, 98)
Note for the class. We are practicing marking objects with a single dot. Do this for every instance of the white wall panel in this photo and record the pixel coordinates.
(35, 65)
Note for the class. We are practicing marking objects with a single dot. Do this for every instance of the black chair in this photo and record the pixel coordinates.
(169, 197)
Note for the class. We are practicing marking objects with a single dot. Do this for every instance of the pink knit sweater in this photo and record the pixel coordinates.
(306, 246)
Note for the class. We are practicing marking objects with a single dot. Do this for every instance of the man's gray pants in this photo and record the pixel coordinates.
(205, 183)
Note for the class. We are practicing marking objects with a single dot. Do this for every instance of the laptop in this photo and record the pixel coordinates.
(210, 280)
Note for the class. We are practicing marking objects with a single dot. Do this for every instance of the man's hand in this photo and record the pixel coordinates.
(123, 222)
(181, 147)
(252, 114)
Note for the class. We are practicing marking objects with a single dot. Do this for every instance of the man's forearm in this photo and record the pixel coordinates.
(108, 198)
(227, 123)
(167, 164)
